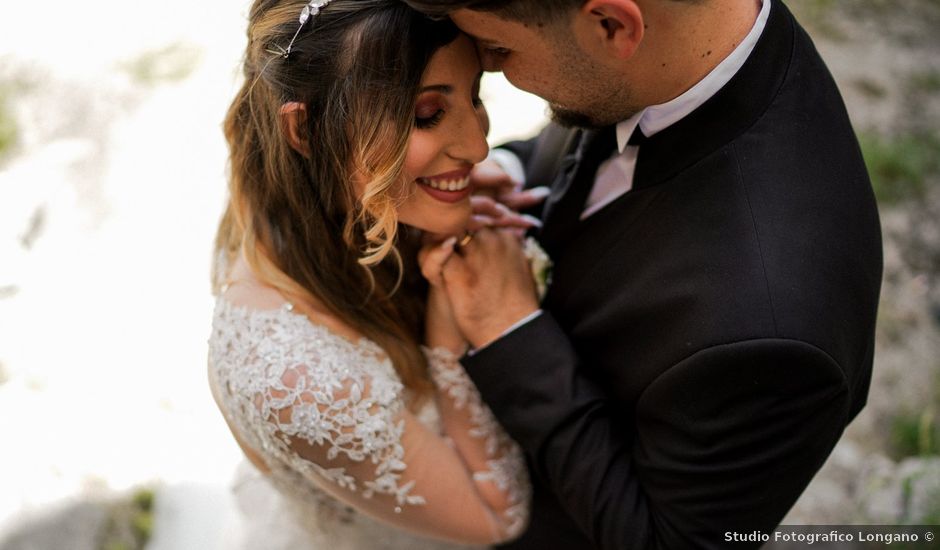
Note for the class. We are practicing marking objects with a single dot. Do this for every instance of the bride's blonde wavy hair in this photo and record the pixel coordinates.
(297, 218)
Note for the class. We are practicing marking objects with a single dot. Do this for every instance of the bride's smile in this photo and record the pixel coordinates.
(449, 137)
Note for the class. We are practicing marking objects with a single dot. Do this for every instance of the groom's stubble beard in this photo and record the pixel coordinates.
(590, 120)
(598, 96)
(570, 118)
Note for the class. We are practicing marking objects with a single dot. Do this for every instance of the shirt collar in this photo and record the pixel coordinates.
(656, 118)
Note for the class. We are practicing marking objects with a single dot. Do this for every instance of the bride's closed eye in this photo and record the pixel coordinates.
(429, 112)
(429, 121)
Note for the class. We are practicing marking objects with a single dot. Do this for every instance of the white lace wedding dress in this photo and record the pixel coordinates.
(350, 467)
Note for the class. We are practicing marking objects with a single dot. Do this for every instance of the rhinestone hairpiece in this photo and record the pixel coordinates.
(312, 9)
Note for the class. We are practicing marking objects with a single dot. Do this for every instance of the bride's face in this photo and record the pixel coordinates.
(448, 139)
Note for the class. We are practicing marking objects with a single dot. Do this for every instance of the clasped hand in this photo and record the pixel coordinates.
(480, 289)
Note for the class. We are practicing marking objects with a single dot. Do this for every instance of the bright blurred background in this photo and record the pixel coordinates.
(112, 178)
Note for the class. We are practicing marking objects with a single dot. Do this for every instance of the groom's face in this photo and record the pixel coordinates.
(547, 62)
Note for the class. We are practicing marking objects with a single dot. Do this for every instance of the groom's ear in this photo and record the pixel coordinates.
(616, 26)
(293, 122)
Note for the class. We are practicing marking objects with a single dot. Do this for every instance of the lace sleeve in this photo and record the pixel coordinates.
(332, 410)
(496, 460)
(346, 425)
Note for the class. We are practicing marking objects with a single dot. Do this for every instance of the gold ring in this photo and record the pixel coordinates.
(465, 240)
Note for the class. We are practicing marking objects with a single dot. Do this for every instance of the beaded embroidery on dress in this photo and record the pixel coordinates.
(327, 416)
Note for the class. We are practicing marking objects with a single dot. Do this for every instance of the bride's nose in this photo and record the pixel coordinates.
(470, 139)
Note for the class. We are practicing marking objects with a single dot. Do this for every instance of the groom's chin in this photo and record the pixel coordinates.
(589, 121)
(573, 119)
(578, 119)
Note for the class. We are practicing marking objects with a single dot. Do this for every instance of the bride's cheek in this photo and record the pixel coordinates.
(419, 155)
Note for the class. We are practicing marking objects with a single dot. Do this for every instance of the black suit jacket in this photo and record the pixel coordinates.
(709, 334)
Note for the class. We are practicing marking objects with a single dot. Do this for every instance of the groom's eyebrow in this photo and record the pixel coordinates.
(483, 41)
(442, 88)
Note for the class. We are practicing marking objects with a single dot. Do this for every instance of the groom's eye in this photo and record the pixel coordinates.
(475, 92)
(500, 51)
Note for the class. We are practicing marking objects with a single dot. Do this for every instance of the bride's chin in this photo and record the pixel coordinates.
(449, 228)
(438, 234)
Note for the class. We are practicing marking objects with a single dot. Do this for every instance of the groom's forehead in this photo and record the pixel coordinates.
(488, 28)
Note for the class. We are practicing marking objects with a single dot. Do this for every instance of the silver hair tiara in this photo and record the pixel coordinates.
(312, 9)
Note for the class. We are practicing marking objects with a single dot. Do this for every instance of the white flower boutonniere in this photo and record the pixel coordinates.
(540, 263)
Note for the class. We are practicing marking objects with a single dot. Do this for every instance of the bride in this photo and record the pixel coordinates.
(351, 146)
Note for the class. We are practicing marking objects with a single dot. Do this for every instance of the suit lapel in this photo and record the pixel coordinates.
(572, 186)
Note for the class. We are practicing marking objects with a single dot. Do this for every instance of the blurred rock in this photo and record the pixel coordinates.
(920, 486)
(869, 488)
(75, 526)
(195, 516)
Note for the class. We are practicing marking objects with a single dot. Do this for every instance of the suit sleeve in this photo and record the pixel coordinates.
(724, 441)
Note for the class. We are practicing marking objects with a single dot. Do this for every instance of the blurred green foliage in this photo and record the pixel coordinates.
(915, 434)
(870, 88)
(9, 133)
(131, 523)
(926, 81)
(900, 167)
(170, 64)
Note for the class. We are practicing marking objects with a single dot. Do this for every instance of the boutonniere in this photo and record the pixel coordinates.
(540, 264)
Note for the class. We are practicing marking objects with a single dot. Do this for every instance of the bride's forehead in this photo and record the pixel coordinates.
(456, 58)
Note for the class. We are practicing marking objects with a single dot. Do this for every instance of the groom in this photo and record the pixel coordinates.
(709, 329)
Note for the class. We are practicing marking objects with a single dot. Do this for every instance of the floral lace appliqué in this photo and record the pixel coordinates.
(286, 381)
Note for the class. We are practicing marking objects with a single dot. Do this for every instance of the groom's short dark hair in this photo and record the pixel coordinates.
(527, 11)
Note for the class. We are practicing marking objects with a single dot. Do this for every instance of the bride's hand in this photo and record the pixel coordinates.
(440, 327)
(490, 179)
(432, 257)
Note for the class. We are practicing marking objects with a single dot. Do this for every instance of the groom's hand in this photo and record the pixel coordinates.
(490, 285)
(490, 179)
(489, 213)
